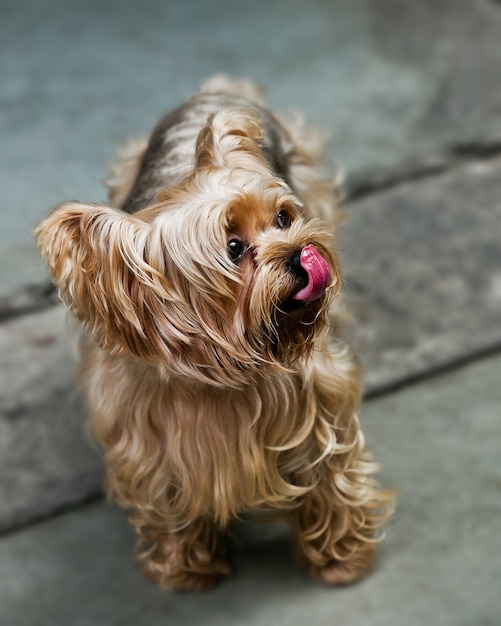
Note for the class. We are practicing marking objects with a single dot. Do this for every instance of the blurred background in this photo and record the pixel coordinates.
(409, 94)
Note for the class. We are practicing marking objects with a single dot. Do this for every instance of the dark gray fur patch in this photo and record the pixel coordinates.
(160, 167)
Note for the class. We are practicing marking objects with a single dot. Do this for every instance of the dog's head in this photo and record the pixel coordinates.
(218, 278)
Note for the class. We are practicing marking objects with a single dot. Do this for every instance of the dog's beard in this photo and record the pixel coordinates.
(237, 338)
(278, 328)
(288, 335)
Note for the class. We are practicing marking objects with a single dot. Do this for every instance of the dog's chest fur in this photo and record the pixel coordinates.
(220, 451)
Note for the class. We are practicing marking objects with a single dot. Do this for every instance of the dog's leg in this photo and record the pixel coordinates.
(191, 559)
(336, 523)
(335, 539)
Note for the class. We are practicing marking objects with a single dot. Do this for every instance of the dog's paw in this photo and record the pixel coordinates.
(183, 579)
(346, 571)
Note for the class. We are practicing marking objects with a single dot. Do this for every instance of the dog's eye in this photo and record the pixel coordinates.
(283, 219)
(235, 249)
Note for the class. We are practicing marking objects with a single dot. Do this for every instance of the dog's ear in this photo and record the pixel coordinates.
(96, 256)
(230, 139)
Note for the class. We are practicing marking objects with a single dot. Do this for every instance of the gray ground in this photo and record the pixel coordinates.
(410, 92)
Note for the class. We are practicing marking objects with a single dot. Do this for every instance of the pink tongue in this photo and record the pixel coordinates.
(319, 274)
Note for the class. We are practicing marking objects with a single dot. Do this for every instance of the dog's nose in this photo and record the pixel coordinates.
(295, 264)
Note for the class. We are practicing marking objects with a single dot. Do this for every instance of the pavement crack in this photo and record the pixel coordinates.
(44, 516)
(28, 299)
(457, 155)
(441, 369)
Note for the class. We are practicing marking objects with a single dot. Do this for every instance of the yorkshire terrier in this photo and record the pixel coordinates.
(205, 287)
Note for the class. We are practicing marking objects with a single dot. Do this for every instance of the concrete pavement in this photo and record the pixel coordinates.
(409, 91)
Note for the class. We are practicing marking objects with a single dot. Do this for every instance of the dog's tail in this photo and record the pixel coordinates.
(238, 86)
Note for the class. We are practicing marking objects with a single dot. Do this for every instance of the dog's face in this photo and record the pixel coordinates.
(218, 278)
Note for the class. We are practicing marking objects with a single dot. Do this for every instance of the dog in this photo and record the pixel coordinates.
(206, 288)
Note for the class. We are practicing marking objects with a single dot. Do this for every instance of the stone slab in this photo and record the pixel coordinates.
(20, 266)
(423, 273)
(389, 81)
(28, 299)
(438, 442)
(46, 459)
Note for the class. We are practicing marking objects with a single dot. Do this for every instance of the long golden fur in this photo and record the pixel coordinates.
(213, 390)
